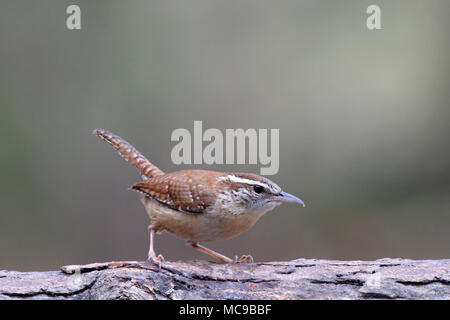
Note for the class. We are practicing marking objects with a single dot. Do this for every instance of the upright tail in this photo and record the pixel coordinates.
(129, 153)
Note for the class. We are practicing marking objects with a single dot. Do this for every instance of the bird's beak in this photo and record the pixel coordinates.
(287, 197)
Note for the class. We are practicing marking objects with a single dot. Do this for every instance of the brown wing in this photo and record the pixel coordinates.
(188, 190)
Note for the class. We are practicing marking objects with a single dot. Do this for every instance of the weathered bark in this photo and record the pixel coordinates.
(297, 279)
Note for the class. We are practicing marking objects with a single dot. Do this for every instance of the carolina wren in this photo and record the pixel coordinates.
(199, 205)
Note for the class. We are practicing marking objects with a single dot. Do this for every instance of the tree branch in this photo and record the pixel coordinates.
(297, 279)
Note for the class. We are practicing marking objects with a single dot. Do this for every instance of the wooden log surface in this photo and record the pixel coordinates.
(296, 279)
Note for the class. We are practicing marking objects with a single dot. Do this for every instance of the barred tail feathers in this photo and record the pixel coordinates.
(129, 153)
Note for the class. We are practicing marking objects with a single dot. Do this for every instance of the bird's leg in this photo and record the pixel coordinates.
(212, 253)
(152, 257)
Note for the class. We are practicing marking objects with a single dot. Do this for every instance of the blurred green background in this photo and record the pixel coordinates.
(363, 117)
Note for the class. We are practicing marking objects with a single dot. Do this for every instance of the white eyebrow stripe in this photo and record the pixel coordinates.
(233, 178)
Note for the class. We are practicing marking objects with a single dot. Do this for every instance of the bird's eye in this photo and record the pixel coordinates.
(258, 189)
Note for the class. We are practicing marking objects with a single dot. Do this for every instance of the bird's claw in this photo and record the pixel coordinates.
(156, 259)
(246, 258)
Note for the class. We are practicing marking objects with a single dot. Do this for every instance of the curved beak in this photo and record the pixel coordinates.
(287, 197)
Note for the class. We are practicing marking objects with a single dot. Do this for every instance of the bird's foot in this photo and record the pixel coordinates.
(246, 258)
(156, 259)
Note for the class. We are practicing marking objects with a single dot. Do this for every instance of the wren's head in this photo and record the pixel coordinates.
(250, 193)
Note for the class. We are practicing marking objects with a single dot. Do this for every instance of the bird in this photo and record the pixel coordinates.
(199, 205)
